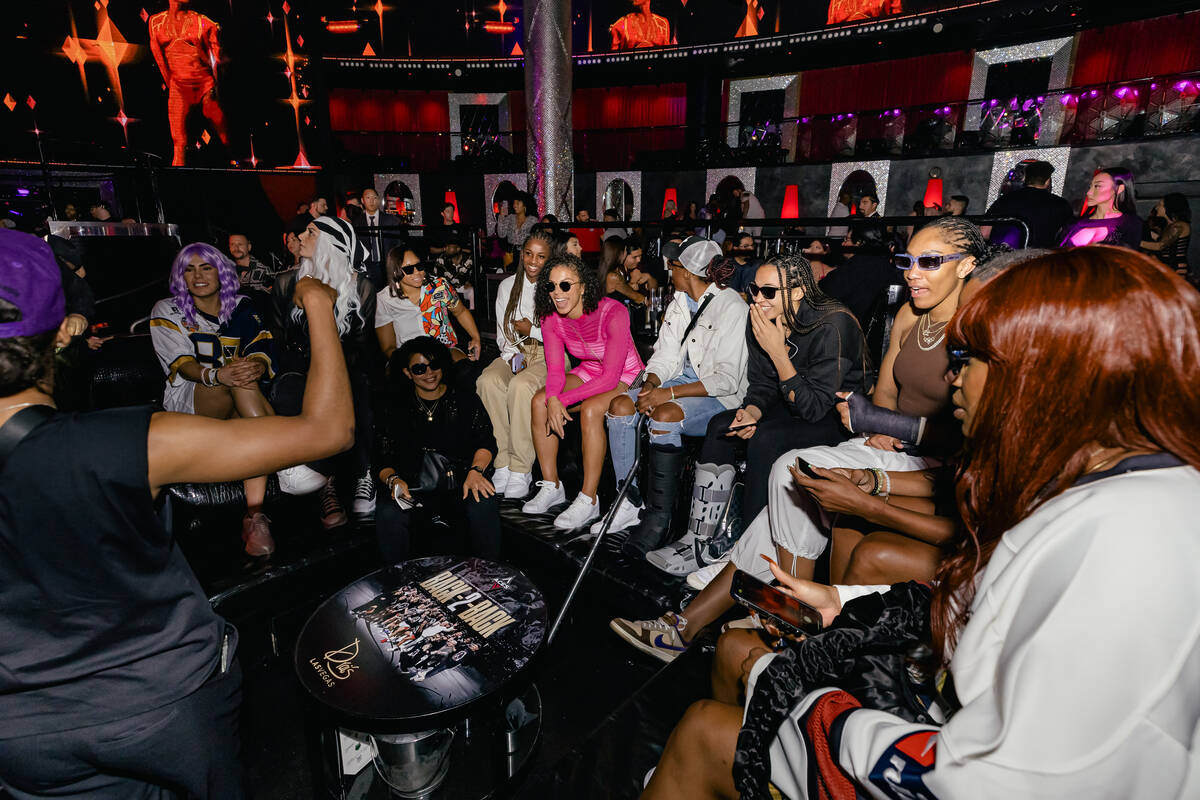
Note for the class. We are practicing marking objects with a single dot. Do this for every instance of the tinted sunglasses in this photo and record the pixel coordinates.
(928, 263)
(421, 369)
(563, 286)
(768, 292)
(959, 356)
(409, 269)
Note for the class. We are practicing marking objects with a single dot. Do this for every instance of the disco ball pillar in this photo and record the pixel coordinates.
(551, 163)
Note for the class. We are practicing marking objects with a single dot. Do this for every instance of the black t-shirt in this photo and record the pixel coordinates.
(859, 282)
(102, 616)
(1043, 211)
(459, 428)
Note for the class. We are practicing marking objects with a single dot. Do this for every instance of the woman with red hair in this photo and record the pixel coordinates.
(1068, 616)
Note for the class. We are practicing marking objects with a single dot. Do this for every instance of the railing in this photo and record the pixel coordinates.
(777, 237)
(1118, 111)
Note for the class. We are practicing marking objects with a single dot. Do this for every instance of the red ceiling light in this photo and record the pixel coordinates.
(670, 197)
(791, 202)
(499, 27)
(342, 26)
(452, 199)
(933, 194)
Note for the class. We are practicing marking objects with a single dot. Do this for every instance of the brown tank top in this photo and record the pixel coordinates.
(920, 376)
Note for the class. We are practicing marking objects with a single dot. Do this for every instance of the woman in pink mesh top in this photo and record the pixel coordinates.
(576, 317)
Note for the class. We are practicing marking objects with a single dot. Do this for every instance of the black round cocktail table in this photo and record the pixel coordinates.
(432, 643)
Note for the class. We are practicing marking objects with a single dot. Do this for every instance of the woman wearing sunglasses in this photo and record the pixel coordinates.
(1069, 647)
(413, 306)
(802, 348)
(424, 414)
(576, 317)
(509, 383)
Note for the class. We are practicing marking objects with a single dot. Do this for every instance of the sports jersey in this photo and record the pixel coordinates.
(208, 343)
(1076, 670)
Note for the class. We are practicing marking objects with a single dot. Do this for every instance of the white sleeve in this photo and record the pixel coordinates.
(508, 349)
(1094, 690)
(171, 344)
(727, 363)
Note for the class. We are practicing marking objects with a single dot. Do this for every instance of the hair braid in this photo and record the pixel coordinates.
(796, 273)
(514, 296)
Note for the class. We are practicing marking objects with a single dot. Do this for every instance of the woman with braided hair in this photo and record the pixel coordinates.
(912, 380)
(803, 348)
(509, 383)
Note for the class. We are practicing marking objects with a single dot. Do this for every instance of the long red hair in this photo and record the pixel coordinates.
(1086, 348)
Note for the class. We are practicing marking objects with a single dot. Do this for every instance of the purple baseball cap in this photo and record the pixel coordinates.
(31, 281)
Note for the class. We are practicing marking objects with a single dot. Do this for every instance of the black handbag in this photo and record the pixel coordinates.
(439, 473)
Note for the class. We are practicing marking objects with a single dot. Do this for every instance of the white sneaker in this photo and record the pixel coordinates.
(518, 486)
(364, 497)
(549, 495)
(300, 480)
(583, 509)
(704, 576)
(677, 558)
(627, 516)
(500, 479)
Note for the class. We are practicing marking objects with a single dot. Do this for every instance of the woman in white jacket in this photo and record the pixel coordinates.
(1069, 616)
(697, 371)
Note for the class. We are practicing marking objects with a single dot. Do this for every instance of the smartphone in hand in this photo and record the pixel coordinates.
(807, 469)
(789, 614)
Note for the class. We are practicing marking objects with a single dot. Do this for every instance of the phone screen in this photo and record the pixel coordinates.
(790, 612)
(807, 469)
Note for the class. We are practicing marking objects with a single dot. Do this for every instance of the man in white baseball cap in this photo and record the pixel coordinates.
(697, 371)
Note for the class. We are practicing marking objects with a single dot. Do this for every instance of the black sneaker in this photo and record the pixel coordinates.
(363, 506)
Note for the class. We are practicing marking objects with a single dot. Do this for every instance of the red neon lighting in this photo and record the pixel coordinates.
(341, 25)
(499, 27)
(670, 197)
(933, 194)
(791, 202)
(452, 199)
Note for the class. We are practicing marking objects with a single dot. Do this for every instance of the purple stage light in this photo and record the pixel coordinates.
(1095, 93)
(1120, 93)
(1042, 99)
(1066, 99)
(1183, 86)
(22, 193)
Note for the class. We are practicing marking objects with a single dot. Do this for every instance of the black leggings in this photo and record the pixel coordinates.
(777, 433)
(287, 398)
(481, 526)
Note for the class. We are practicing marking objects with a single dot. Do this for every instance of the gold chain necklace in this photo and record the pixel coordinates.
(929, 334)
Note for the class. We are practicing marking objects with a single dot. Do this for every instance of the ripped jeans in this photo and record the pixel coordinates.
(622, 431)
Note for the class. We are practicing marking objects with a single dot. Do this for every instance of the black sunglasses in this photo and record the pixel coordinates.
(563, 286)
(768, 292)
(421, 369)
(958, 358)
(409, 269)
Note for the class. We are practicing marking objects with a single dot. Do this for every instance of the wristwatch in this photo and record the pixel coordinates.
(477, 469)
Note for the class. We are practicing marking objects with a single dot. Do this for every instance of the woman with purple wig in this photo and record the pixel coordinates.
(215, 349)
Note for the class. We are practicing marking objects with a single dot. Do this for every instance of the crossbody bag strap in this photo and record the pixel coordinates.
(695, 319)
(20, 425)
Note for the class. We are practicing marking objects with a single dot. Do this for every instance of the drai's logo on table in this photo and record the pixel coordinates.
(339, 664)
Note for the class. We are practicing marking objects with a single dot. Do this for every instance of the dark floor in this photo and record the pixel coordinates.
(607, 709)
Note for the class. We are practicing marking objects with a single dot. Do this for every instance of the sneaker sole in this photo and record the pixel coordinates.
(695, 583)
(666, 656)
(587, 523)
(676, 570)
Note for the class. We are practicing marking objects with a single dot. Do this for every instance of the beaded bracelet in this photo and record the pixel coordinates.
(883, 482)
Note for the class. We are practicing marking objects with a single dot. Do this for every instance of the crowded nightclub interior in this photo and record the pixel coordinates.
(599, 399)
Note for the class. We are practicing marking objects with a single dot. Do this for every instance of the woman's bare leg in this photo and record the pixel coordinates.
(737, 650)
(886, 557)
(711, 603)
(698, 759)
(594, 434)
(798, 566)
(842, 541)
(249, 403)
(546, 446)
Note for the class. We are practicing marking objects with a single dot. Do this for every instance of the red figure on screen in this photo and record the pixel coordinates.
(185, 45)
(854, 10)
(642, 28)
